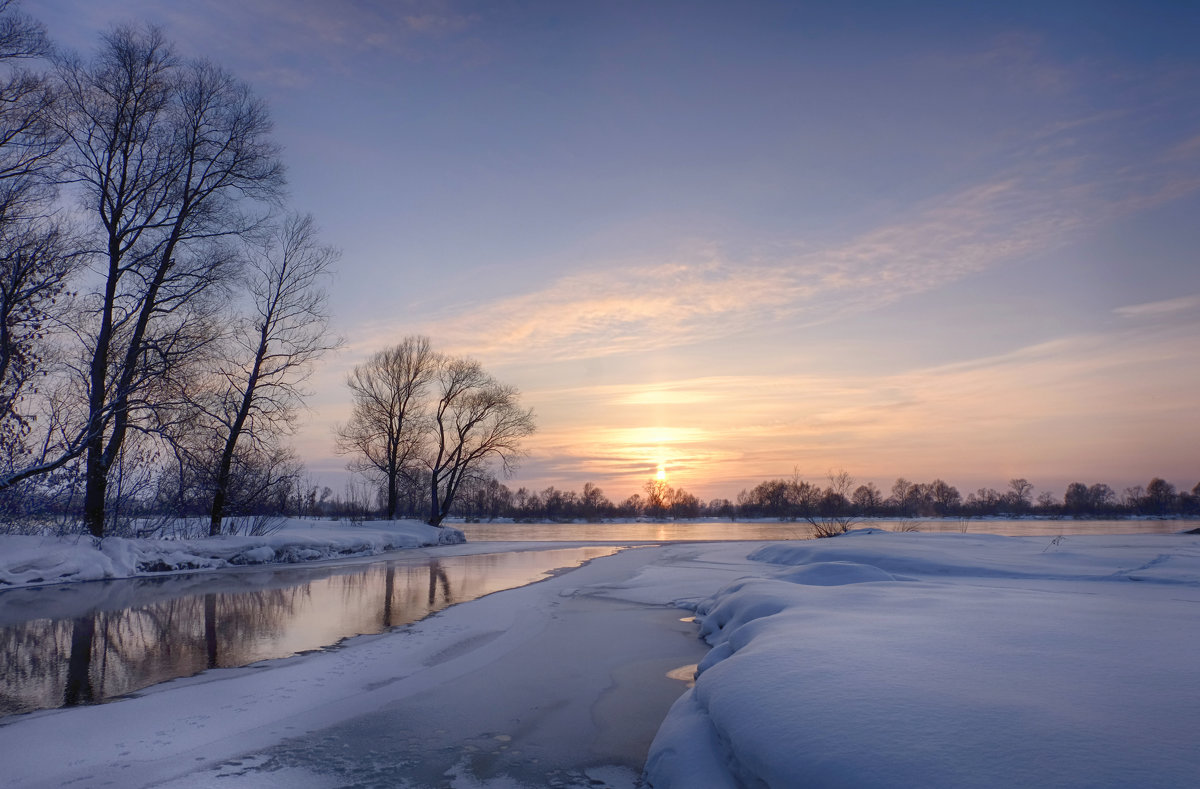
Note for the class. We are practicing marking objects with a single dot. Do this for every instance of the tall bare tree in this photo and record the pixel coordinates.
(33, 271)
(165, 155)
(384, 430)
(34, 263)
(476, 420)
(274, 348)
(28, 137)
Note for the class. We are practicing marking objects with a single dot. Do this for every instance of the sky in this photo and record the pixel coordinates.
(739, 241)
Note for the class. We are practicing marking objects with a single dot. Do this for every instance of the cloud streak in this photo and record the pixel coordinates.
(648, 306)
(1159, 309)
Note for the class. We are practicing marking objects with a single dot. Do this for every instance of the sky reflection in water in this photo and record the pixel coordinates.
(88, 643)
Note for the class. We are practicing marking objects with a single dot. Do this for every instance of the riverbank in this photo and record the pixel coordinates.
(567, 678)
(43, 560)
(878, 659)
(869, 660)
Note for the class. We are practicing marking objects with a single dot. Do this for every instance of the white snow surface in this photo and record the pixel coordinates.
(943, 660)
(35, 561)
(868, 660)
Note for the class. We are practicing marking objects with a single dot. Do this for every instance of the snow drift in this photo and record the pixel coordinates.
(942, 660)
(29, 561)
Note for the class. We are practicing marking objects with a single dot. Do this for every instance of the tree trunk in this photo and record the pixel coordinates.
(217, 513)
(392, 497)
(224, 470)
(95, 487)
(435, 511)
(95, 473)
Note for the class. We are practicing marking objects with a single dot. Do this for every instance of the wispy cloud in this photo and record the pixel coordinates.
(309, 34)
(1158, 309)
(635, 307)
(624, 309)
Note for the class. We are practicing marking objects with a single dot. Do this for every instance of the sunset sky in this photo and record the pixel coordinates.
(953, 240)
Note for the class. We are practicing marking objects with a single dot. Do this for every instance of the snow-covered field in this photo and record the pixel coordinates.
(28, 561)
(880, 659)
(869, 660)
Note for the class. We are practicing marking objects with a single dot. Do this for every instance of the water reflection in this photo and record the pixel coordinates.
(87, 643)
(718, 531)
(79, 666)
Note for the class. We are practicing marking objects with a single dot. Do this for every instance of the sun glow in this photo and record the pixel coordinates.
(661, 474)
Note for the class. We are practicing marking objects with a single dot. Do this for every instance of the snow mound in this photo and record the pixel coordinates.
(1113, 558)
(998, 662)
(836, 574)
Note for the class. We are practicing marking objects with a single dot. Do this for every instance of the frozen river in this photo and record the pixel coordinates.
(558, 683)
(84, 643)
(1037, 656)
(87, 643)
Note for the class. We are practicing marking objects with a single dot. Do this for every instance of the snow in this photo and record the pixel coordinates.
(983, 661)
(872, 659)
(32, 561)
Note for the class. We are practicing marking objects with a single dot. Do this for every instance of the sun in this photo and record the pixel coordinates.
(661, 474)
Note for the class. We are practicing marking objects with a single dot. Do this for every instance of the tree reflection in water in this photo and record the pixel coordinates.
(103, 640)
(436, 575)
(79, 665)
(210, 630)
(389, 591)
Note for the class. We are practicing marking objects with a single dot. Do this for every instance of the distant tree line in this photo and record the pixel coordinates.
(791, 498)
(794, 498)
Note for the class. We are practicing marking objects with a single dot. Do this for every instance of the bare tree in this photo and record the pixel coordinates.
(945, 497)
(1161, 497)
(384, 431)
(164, 155)
(475, 420)
(273, 348)
(33, 272)
(34, 263)
(28, 137)
(902, 497)
(867, 499)
(1020, 494)
(593, 503)
(834, 516)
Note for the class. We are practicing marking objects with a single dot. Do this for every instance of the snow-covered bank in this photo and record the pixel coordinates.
(30, 561)
(943, 660)
(874, 659)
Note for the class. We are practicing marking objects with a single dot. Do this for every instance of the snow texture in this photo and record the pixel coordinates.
(35, 561)
(868, 660)
(941, 660)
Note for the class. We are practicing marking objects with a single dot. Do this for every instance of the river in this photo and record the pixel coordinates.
(92, 642)
(714, 531)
